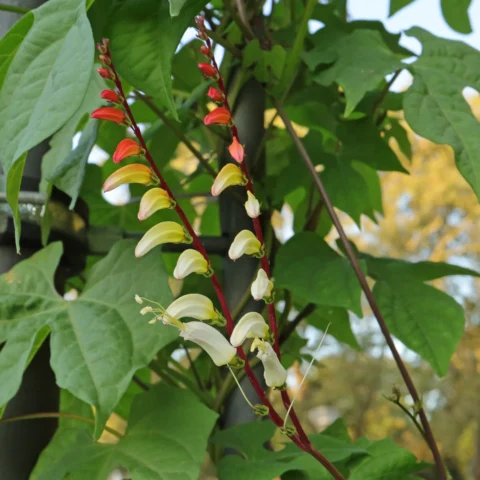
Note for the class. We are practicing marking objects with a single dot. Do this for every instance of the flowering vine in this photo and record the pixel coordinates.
(196, 260)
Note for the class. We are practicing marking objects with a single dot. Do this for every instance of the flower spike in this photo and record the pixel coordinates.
(190, 261)
(127, 148)
(193, 305)
(152, 201)
(218, 116)
(134, 173)
(252, 205)
(111, 96)
(208, 70)
(211, 340)
(262, 287)
(251, 325)
(215, 95)
(164, 232)
(245, 243)
(236, 150)
(274, 373)
(111, 114)
(228, 176)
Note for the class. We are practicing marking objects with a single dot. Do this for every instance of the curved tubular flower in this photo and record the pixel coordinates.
(228, 176)
(192, 305)
(134, 173)
(251, 325)
(245, 243)
(111, 114)
(236, 150)
(111, 96)
(152, 201)
(190, 261)
(262, 286)
(274, 373)
(218, 116)
(127, 148)
(252, 205)
(211, 340)
(164, 232)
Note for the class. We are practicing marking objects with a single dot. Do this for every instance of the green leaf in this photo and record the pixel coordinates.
(456, 15)
(267, 65)
(143, 41)
(434, 104)
(361, 60)
(176, 6)
(426, 320)
(45, 81)
(315, 273)
(99, 340)
(396, 5)
(386, 460)
(69, 175)
(166, 437)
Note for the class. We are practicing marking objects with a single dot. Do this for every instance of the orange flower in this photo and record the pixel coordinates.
(236, 150)
(127, 148)
(110, 113)
(219, 116)
(111, 96)
(215, 94)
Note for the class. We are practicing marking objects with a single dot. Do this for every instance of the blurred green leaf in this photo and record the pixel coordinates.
(397, 5)
(456, 15)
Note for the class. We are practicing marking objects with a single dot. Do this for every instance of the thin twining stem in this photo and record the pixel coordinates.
(366, 289)
(197, 244)
(264, 259)
(70, 416)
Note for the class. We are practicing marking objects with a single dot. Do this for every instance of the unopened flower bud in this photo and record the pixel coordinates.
(134, 173)
(262, 286)
(228, 176)
(192, 305)
(218, 116)
(127, 148)
(200, 21)
(211, 340)
(104, 60)
(111, 114)
(274, 373)
(190, 261)
(252, 205)
(236, 150)
(164, 232)
(208, 70)
(138, 299)
(105, 72)
(206, 51)
(245, 243)
(251, 325)
(111, 96)
(215, 95)
(152, 201)
(146, 310)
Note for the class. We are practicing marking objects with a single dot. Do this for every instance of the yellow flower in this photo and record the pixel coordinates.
(192, 305)
(245, 243)
(134, 173)
(164, 232)
(152, 201)
(228, 176)
(190, 261)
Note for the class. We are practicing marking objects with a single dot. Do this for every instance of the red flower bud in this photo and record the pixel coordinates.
(215, 95)
(208, 70)
(110, 113)
(106, 73)
(111, 96)
(200, 21)
(104, 59)
(206, 51)
(103, 47)
(236, 150)
(127, 148)
(219, 116)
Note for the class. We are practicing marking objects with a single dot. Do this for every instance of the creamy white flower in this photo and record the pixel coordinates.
(244, 243)
(251, 325)
(146, 310)
(262, 286)
(192, 305)
(138, 299)
(211, 340)
(252, 205)
(164, 232)
(190, 261)
(274, 373)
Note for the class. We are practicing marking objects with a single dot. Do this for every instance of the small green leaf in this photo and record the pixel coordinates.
(166, 438)
(425, 319)
(434, 104)
(456, 15)
(315, 273)
(361, 60)
(44, 83)
(397, 5)
(143, 41)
